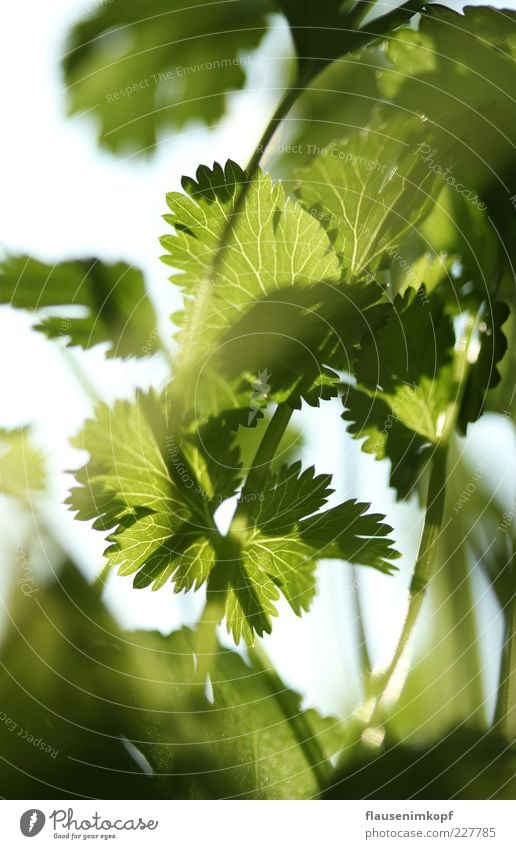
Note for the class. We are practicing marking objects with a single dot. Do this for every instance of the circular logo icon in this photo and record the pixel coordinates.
(31, 822)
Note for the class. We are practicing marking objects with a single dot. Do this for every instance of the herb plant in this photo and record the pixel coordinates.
(375, 273)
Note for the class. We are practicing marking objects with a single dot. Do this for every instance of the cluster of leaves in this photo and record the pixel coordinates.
(302, 290)
(158, 494)
(143, 68)
(377, 279)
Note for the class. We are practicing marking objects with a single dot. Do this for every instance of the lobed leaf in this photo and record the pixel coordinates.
(143, 68)
(115, 306)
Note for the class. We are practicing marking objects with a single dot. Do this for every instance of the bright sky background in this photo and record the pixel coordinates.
(63, 198)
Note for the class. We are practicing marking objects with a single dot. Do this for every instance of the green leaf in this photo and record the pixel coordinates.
(272, 245)
(157, 492)
(112, 299)
(386, 437)
(87, 705)
(406, 386)
(458, 70)
(144, 68)
(64, 680)
(462, 764)
(339, 100)
(22, 466)
(299, 337)
(370, 191)
(459, 229)
(288, 496)
(347, 532)
(138, 483)
(321, 36)
(243, 743)
(483, 374)
(281, 547)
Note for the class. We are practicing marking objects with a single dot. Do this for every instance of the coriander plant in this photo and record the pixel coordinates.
(362, 259)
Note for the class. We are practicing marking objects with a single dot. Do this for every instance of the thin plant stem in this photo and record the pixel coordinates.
(264, 456)
(456, 577)
(423, 571)
(363, 650)
(505, 713)
(287, 101)
(218, 582)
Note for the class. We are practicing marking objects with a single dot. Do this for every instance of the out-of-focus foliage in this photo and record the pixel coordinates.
(383, 275)
(111, 300)
(22, 465)
(145, 67)
(91, 711)
(463, 764)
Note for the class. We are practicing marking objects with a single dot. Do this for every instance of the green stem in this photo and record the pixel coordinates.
(458, 579)
(216, 596)
(301, 728)
(287, 101)
(211, 617)
(80, 376)
(423, 571)
(100, 581)
(363, 651)
(218, 581)
(284, 106)
(264, 456)
(505, 714)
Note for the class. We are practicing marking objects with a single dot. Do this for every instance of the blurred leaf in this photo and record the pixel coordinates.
(484, 374)
(90, 711)
(60, 717)
(463, 764)
(337, 102)
(142, 67)
(459, 71)
(242, 743)
(22, 466)
(459, 229)
(112, 298)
